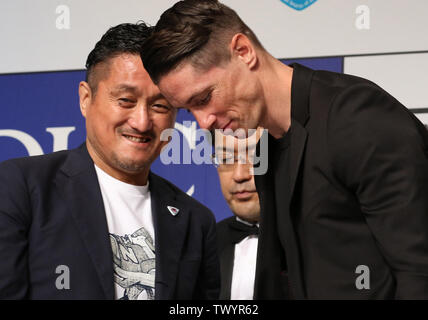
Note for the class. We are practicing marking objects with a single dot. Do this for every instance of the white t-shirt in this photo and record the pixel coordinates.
(244, 267)
(130, 224)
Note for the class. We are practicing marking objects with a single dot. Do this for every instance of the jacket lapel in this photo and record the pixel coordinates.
(270, 254)
(297, 148)
(289, 238)
(300, 93)
(170, 233)
(80, 189)
(226, 263)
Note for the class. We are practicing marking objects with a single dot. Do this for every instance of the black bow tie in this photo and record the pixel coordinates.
(241, 230)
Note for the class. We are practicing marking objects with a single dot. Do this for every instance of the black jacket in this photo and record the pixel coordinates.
(358, 177)
(52, 213)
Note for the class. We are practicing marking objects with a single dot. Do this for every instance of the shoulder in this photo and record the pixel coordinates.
(23, 180)
(350, 94)
(34, 166)
(224, 233)
(356, 107)
(337, 80)
(328, 90)
(368, 130)
(222, 226)
(364, 109)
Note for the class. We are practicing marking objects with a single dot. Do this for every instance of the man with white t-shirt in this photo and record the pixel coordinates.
(94, 222)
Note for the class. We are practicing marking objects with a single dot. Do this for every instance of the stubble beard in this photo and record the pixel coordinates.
(129, 165)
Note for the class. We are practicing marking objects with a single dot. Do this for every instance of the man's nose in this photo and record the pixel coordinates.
(140, 119)
(241, 172)
(204, 119)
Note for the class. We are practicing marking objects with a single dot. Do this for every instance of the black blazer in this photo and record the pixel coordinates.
(52, 213)
(359, 194)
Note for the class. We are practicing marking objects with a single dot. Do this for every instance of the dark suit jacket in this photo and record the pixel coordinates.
(359, 193)
(52, 213)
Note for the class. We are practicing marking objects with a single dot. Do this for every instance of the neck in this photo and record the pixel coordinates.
(247, 221)
(276, 81)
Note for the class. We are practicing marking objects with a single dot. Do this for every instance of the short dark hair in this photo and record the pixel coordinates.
(198, 30)
(123, 38)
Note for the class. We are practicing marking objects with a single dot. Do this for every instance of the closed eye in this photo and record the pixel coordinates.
(205, 100)
(161, 108)
(126, 102)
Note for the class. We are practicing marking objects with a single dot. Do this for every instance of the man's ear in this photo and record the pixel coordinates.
(242, 48)
(85, 97)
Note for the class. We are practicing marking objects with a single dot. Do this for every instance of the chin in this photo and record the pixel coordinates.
(246, 212)
(131, 165)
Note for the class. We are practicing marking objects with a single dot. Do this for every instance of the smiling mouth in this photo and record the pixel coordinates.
(137, 139)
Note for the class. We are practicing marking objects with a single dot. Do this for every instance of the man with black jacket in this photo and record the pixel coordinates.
(344, 206)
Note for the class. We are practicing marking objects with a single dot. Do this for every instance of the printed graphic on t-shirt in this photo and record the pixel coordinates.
(134, 264)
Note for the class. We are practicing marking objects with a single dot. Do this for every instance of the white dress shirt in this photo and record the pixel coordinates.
(244, 267)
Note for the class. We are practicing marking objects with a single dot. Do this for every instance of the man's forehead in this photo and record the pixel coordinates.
(126, 74)
(185, 82)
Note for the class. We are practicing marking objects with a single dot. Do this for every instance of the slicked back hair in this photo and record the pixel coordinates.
(198, 31)
(123, 38)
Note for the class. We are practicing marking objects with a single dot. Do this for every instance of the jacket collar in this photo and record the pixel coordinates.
(300, 93)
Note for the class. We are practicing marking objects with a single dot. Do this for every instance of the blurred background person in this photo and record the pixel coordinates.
(237, 236)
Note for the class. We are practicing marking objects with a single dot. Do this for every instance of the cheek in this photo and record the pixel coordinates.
(104, 126)
(225, 184)
(162, 122)
(161, 144)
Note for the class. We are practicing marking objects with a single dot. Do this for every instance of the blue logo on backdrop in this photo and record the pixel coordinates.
(298, 4)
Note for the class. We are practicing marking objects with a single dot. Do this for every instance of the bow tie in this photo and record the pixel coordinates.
(241, 230)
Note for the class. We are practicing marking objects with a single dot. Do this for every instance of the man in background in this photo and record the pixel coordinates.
(94, 222)
(237, 236)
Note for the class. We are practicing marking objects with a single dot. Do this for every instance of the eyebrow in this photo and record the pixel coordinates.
(156, 97)
(123, 88)
(205, 90)
(133, 89)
